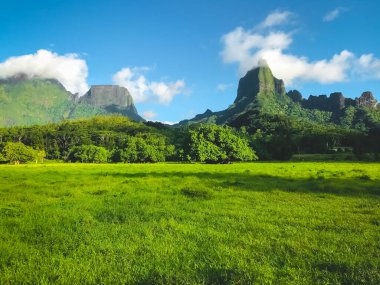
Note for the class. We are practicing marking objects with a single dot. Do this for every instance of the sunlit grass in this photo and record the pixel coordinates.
(283, 223)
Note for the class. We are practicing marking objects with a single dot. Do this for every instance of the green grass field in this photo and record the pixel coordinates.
(262, 223)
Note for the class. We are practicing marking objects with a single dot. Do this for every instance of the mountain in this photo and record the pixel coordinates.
(257, 90)
(25, 101)
(260, 94)
(112, 99)
(32, 101)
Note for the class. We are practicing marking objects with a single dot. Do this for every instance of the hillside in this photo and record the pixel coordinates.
(34, 101)
(25, 101)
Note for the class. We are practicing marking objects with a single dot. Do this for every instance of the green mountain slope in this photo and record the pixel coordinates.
(35, 101)
(39, 101)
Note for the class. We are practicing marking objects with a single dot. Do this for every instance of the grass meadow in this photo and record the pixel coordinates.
(261, 223)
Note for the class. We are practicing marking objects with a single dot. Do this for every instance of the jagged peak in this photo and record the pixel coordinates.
(261, 66)
(258, 81)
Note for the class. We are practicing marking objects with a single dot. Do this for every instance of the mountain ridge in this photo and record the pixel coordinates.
(260, 93)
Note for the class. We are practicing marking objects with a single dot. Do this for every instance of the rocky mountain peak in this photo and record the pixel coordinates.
(258, 81)
(366, 100)
(106, 95)
(112, 98)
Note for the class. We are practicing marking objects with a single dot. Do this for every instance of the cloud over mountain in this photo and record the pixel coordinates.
(247, 47)
(68, 69)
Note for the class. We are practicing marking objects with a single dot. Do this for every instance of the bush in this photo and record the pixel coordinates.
(2, 158)
(17, 152)
(214, 144)
(88, 153)
(145, 148)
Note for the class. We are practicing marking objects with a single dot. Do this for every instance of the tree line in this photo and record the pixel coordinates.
(118, 139)
(278, 137)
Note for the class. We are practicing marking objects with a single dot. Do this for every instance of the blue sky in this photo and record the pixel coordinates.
(179, 58)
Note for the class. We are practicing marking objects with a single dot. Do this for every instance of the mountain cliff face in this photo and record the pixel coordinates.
(258, 89)
(112, 99)
(258, 82)
(25, 101)
(260, 93)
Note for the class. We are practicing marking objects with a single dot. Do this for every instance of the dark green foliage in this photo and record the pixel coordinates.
(279, 136)
(126, 140)
(143, 148)
(374, 139)
(88, 153)
(295, 95)
(2, 158)
(214, 144)
(105, 131)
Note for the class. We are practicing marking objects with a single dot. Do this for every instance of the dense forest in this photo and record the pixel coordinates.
(119, 139)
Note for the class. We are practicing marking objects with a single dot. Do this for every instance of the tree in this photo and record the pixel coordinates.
(17, 152)
(143, 148)
(40, 154)
(88, 153)
(215, 144)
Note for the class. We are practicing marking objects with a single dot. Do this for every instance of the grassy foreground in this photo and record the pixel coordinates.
(281, 223)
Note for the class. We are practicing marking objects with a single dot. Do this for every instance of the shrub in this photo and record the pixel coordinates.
(17, 152)
(88, 153)
(144, 148)
(215, 144)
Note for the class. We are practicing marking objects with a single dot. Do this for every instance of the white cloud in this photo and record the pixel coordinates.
(169, 122)
(332, 15)
(135, 83)
(149, 115)
(166, 91)
(240, 46)
(68, 69)
(248, 47)
(143, 90)
(368, 67)
(223, 87)
(275, 19)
